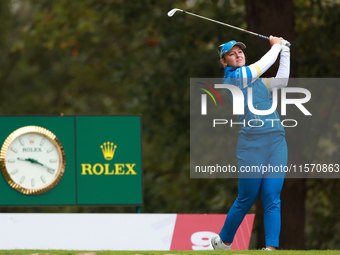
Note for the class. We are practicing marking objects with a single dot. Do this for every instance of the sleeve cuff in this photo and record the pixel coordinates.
(277, 47)
(285, 53)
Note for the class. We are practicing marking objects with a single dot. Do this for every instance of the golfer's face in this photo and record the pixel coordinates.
(235, 57)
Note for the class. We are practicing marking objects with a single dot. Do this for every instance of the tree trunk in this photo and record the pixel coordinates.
(268, 17)
(276, 18)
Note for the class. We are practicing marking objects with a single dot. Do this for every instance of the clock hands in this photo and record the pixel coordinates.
(33, 161)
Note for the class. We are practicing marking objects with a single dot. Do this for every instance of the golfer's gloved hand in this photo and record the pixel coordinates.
(285, 46)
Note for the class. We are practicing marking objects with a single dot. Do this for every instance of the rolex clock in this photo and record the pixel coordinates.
(32, 160)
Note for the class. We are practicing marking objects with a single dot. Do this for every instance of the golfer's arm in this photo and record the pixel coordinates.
(261, 66)
(282, 76)
(284, 67)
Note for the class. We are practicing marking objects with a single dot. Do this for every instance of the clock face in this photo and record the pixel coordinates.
(32, 160)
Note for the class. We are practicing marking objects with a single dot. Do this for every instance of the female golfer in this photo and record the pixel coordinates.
(261, 142)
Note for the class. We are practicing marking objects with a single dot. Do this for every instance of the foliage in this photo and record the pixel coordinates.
(115, 57)
(318, 53)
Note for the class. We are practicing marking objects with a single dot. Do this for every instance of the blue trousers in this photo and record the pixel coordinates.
(254, 152)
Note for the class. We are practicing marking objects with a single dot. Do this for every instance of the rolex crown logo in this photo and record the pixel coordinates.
(31, 139)
(108, 150)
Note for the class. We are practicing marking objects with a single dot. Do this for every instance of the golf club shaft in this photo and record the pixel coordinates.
(262, 36)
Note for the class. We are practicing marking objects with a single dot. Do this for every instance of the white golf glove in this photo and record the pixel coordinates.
(285, 45)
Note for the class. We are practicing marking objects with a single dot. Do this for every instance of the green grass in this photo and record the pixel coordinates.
(250, 252)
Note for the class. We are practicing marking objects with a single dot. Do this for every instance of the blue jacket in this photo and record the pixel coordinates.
(262, 100)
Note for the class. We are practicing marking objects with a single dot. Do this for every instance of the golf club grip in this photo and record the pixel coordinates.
(262, 36)
(267, 38)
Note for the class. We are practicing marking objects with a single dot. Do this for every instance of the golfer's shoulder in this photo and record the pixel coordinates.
(240, 72)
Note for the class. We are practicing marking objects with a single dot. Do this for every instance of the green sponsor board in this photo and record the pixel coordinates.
(102, 154)
(109, 165)
(64, 192)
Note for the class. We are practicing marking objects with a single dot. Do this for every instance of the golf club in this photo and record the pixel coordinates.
(173, 11)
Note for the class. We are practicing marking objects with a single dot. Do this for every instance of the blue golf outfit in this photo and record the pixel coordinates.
(258, 146)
